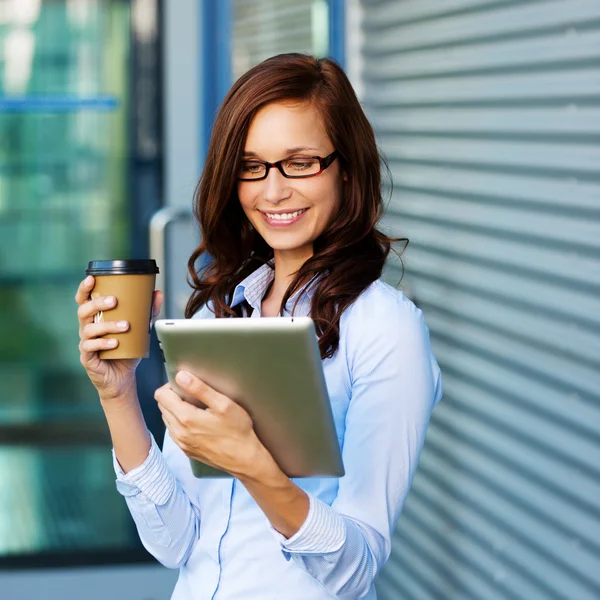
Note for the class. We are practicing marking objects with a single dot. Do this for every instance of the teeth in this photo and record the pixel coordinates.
(285, 216)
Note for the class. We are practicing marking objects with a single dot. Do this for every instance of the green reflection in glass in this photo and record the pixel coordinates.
(63, 202)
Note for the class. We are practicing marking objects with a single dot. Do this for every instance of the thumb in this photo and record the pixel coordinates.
(157, 303)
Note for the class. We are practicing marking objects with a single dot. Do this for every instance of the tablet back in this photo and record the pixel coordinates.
(272, 367)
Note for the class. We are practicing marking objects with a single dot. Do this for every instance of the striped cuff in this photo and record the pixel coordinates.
(322, 532)
(152, 478)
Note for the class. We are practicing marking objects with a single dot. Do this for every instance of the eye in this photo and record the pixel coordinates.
(252, 167)
(300, 165)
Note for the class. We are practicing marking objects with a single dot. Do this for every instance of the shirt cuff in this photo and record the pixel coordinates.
(323, 531)
(152, 478)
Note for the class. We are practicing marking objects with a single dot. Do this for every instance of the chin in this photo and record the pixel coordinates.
(285, 243)
(282, 246)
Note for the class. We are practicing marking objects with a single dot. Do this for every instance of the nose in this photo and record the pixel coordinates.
(276, 187)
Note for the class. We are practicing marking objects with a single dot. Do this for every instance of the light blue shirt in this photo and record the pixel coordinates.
(383, 383)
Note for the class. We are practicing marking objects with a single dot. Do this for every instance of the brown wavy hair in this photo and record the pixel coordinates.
(349, 255)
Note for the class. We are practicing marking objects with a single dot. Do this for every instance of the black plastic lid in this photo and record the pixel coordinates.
(122, 267)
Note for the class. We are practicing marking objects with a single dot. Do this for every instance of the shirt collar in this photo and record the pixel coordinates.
(253, 287)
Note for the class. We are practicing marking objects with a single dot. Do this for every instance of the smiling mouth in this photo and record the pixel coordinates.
(284, 216)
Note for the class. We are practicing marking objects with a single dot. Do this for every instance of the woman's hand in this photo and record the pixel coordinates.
(112, 378)
(222, 435)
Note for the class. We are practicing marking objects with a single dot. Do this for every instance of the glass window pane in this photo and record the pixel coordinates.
(263, 28)
(64, 157)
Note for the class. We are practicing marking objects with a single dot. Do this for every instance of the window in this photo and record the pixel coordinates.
(66, 189)
(263, 28)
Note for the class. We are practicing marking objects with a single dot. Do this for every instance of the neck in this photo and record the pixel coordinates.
(286, 265)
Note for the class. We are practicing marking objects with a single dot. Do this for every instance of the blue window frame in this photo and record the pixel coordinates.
(216, 63)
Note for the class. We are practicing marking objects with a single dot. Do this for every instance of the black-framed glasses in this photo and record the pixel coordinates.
(297, 167)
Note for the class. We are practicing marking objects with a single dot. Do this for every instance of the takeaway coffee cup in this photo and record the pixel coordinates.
(131, 282)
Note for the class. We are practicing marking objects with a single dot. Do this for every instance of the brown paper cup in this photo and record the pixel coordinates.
(133, 288)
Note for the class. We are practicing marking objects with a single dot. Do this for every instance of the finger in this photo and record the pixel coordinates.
(179, 410)
(157, 302)
(200, 390)
(87, 311)
(97, 344)
(169, 425)
(85, 288)
(178, 430)
(96, 330)
(168, 417)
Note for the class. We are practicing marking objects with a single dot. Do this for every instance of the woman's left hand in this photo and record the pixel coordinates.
(222, 435)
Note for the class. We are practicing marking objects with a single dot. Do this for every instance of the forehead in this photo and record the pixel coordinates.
(279, 126)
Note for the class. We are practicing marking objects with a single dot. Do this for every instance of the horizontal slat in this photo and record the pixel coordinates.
(262, 29)
(488, 114)
(540, 363)
(383, 12)
(561, 337)
(422, 554)
(464, 545)
(425, 556)
(279, 34)
(534, 429)
(558, 121)
(525, 256)
(407, 586)
(281, 31)
(513, 537)
(521, 155)
(282, 41)
(536, 53)
(259, 15)
(554, 466)
(474, 544)
(547, 554)
(553, 510)
(262, 50)
(524, 292)
(513, 189)
(564, 85)
(525, 19)
(525, 224)
(516, 388)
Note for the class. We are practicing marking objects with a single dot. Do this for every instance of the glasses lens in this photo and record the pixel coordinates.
(252, 170)
(298, 167)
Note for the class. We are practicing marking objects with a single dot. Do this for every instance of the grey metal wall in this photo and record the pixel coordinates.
(489, 115)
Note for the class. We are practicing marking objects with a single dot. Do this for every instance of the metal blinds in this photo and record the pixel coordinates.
(264, 28)
(489, 115)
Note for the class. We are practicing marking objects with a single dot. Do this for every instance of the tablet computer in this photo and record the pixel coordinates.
(272, 367)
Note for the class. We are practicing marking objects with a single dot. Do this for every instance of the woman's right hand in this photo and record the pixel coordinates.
(112, 378)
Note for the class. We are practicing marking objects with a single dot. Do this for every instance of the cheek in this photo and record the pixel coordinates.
(332, 204)
(247, 201)
(242, 195)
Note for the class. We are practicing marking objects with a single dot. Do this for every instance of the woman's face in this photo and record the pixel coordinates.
(289, 130)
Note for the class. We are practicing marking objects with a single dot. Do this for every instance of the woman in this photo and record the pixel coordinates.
(288, 206)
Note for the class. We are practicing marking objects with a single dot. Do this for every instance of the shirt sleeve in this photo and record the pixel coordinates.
(395, 383)
(167, 521)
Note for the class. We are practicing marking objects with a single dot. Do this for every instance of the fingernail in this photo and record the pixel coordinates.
(183, 378)
(89, 280)
(108, 301)
(122, 324)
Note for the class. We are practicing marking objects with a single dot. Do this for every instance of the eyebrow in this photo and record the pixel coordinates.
(288, 151)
